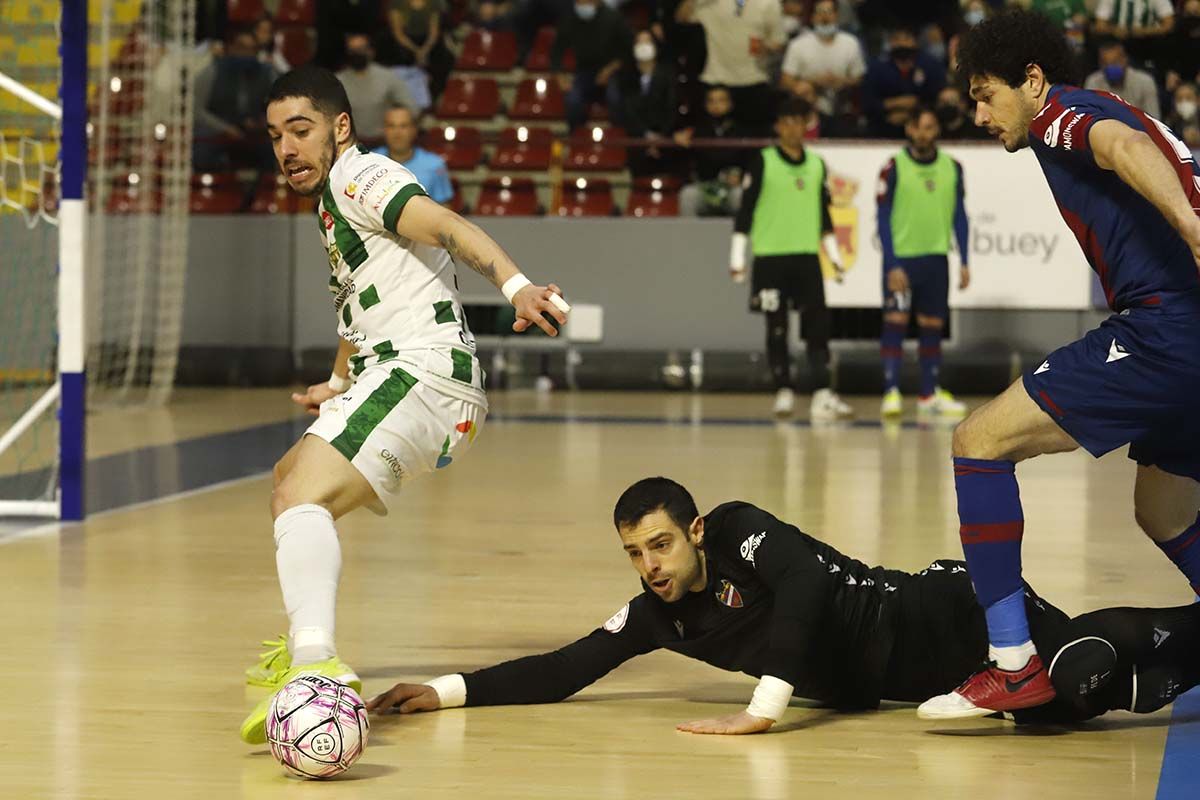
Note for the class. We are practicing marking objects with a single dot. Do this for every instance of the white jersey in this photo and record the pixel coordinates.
(395, 299)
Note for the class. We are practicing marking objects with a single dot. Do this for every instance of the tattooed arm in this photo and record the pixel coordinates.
(427, 222)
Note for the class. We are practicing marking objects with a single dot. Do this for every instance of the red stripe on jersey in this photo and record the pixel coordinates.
(1173, 151)
(1053, 405)
(990, 533)
(1061, 127)
(1091, 248)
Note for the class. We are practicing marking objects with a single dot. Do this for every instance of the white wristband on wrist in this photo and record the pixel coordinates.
(338, 383)
(770, 699)
(451, 690)
(737, 251)
(830, 246)
(513, 285)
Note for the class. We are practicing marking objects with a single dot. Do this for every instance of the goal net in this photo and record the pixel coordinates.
(95, 152)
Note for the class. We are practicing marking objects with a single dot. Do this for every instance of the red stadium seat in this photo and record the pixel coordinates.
(523, 148)
(273, 196)
(469, 98)
(130, 196)
(296, 12)
(242, 11)
(538, 98)
(507, 197)
(461, 147)
(215, 193)
(589, 150)
(538, 59)
(585, 197)
(488, 51)
(297, 45)
(653, 197)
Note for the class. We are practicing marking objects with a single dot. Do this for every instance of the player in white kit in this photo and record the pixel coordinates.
(406, 394)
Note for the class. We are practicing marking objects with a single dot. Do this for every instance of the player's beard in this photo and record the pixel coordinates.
(323, 167)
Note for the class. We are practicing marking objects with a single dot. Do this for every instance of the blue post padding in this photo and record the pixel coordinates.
(70, 444)
(73, 50)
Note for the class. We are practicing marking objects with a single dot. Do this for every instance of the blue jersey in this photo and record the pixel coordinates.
(1130, 245)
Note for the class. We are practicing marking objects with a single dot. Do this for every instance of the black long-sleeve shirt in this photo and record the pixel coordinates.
(596, 42)
(777, 602)
(752, 186)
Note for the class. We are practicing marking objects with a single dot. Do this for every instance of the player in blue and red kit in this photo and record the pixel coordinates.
(1130, 192)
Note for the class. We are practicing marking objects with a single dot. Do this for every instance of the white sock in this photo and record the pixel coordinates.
(309, 559)
(1012, 658)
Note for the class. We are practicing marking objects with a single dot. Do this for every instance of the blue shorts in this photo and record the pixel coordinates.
(929, 287)
(1134, 380)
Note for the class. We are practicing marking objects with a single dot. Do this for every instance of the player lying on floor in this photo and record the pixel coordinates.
(743, 591)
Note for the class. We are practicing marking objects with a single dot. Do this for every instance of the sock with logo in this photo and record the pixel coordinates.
(891, 351)
(991, 526)
(930, 351)
(1184, 552)
(308, 558)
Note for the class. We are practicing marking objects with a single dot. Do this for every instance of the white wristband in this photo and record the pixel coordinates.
(338, 383)
(737, 251)
(513, 285)
(830, 246)
(770, 699)
(451, 690)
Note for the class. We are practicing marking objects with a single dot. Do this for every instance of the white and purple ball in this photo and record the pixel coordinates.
(317, 727)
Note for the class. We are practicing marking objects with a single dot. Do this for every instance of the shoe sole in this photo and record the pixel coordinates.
(1036, 700)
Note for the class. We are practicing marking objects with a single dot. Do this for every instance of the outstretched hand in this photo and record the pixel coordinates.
(405, 698)
(531, 302)
(313, 397)
(735, 724)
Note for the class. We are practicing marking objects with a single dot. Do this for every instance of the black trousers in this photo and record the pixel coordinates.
(779, 284)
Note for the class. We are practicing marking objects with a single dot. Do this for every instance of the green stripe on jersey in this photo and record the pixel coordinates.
(385, 351)
(368, 297)
(443, 312)
(366, 418)
(357, 365)
(462, 365)
(392, 212)
(349, 243)
(346, 318)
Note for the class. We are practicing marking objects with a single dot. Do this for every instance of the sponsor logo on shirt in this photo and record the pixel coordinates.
(1051, 135)
(370, 184)
(751, 544)
(679, 628)
(350, 189)
(1160, 636)
(343, 293)
(729, 595)
(1067, 140)
(617, 621)
(327, 220)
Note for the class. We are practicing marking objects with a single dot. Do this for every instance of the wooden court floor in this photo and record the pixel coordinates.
(125, 637)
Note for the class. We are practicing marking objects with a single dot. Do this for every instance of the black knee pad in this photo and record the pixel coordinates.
(1082, 670)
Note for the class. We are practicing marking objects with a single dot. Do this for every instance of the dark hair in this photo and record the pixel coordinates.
(1108, 43)
(655, 494)
(914, 116)
(320, 86)
(718, 87)
(1004, 45)
(793, 106)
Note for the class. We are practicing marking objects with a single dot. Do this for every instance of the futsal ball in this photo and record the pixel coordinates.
(317, 727)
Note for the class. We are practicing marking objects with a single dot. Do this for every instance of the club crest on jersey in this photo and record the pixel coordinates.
(327, 220)
(800, 184)
(729, 595)
(751, 544)
(350, 189)
(930, 185)
(617, 621)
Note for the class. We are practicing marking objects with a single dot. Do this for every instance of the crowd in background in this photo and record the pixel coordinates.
(674, 71)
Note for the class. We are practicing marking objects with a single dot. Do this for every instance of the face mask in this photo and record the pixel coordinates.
(1114, 74)
(937, 50)
(947, 114)
(1186, 108)
(358, 61)
(826, 31)
(973, 17)
(644, 51)
(585, 12)
(790, 25)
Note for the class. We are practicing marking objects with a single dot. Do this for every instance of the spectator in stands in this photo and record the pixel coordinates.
(492, 15)
(416, 40)
(816, 124)
(601, 41)
(268, 46)
(1061, 12)
(716, 185)
(955, 116)
(1130, 84)
(1185, 47)
(211, 18)
(1184, 118)
(1144, 25)
(229, 97)
(740, 35)
(401, 127)
(647, 104)
(336, 19)
(793, 19)
(827, 57)
(897, 83)
(370, 87)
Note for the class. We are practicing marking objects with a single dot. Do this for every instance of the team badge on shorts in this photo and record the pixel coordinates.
(467, 428)
(729, 595)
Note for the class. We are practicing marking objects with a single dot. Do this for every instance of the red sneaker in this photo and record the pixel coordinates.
(993, 689)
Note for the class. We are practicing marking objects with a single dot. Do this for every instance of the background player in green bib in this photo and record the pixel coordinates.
(920, 201)
(406, 394)
(785, 218)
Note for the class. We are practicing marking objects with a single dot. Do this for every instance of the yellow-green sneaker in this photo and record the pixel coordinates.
(254, 726)
(271, 665)
(892, 404)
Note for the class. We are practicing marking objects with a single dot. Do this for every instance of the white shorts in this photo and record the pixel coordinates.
(394, 427)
